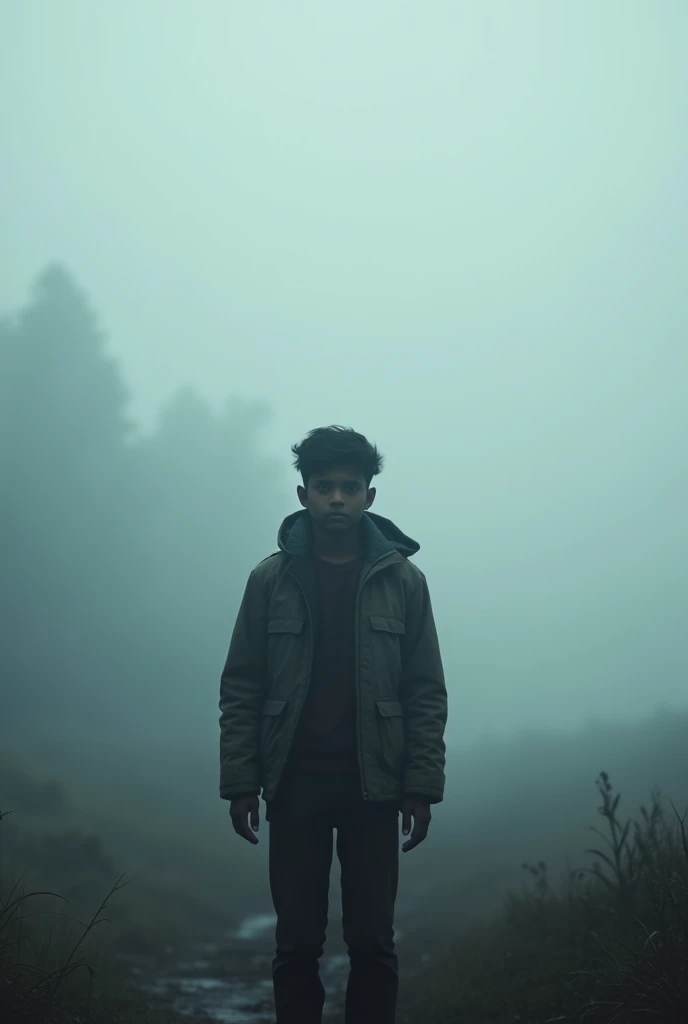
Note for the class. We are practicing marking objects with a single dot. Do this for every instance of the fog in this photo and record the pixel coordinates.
(459, 228)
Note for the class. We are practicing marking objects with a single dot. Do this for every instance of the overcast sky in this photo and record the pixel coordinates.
(459, 227)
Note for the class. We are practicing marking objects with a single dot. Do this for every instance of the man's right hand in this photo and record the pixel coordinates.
(242, 810)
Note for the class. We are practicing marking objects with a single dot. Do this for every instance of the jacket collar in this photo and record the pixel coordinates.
(380, 536)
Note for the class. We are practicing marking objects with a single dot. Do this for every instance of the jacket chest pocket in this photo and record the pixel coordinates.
(285, 639)
(387, 634)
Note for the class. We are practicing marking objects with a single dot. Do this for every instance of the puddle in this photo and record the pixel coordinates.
(257, 926)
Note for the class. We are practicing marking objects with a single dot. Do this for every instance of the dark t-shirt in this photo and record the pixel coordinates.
(326, 738)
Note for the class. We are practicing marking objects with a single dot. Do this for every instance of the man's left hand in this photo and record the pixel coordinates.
(418, 809)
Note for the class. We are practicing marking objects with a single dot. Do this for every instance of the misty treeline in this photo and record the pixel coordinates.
(123, 554)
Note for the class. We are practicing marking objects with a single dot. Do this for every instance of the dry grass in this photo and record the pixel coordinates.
(608, 945)
(51, 969)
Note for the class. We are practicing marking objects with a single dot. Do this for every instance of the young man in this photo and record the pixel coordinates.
(333, 702)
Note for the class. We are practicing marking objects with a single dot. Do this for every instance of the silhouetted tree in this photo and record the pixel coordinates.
(68, 508)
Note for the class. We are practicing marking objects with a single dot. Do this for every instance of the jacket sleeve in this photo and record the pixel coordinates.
(423, 697)
(242, 691)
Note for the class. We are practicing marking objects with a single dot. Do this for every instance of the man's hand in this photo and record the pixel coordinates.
(418, 808)
(241, 809)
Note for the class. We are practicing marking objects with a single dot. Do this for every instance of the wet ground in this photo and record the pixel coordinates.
(227, 979)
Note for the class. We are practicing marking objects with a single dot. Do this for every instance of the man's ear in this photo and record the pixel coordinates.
(302, 495)
(370, 497)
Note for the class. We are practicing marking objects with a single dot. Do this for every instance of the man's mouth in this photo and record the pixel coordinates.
(337, 515)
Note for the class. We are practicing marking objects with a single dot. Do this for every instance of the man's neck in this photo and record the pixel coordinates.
(344, 548)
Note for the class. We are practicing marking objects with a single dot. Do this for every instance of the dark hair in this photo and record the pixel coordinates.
(336, 446)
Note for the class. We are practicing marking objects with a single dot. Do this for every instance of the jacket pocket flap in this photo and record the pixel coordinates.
(386, 624)
(273, 707)
(389, 708)
(285, 625)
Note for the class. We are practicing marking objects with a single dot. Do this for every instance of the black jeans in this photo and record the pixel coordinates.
(302, 818)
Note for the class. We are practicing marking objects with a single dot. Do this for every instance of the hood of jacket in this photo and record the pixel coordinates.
(295, 536)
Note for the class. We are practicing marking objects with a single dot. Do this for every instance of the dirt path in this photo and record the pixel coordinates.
(227, 979)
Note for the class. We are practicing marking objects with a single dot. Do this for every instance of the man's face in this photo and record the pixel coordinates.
(336, 498)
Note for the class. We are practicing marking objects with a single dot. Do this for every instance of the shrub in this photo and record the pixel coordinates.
(607, 945)
(642, 914)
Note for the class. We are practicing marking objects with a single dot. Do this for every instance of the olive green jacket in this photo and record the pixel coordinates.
(401, 693)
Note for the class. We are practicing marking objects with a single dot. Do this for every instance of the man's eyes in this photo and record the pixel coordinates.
(352, 488)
